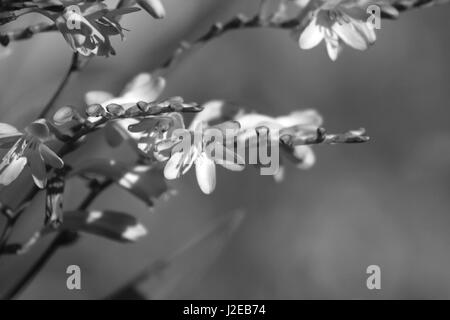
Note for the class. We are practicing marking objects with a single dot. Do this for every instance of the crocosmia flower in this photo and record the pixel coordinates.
(143, 87)
(88, 27)
(27, 148)
(297, 123)
(338, 22)
(199, 147)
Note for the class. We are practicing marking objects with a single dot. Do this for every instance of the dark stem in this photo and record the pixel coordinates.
(74, 66)
(239, 22)
(63, 238)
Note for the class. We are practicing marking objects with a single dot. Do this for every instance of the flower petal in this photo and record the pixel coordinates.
(305, 157)
(301, 118)
(153, 7)
(172, 170)
(144, 87)
(97, 97)
(311, 36)
(253, 120)
(227, 158)
(7, 141)
(279, 174)
(39, 129)
(205, 170)
(229, 127)
(10, 172)
(7, 129)
(347, 32)
(50, 157)
(366, 30)
(215, 110)
(37, 166)
(334, 48)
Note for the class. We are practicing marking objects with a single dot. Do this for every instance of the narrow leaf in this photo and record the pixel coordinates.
(109, 224)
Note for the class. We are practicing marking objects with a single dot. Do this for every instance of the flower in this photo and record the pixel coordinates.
(155, 129)
(295, 123)
(26, 148)
(205, 151)
(143, 87)
(338, 22)
(88, 27)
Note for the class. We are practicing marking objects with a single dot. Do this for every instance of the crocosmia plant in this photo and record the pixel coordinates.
(169, 136)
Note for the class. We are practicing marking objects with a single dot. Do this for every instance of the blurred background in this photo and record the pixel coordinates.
(312, 236)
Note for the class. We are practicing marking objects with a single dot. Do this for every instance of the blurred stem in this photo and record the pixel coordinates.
(239, 22)
(74, 66)
(63, 238)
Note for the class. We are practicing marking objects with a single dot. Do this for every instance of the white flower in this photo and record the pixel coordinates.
(88, 30)
(26, 149)
(337, 23)
(153, 130)
(143, 87)
(204, 152)
(297, 122)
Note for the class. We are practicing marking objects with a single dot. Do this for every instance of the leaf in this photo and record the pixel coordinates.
(109, 224)
(165, 276)
(144, 182)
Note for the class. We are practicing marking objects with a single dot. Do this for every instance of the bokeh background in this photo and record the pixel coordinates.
(385, 202)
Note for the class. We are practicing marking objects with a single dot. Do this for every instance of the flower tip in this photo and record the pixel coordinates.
(153, 7)
(115, 109)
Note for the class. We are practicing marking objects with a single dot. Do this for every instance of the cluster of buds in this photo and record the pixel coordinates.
(219, 133)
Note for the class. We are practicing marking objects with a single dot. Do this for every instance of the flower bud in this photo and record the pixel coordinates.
(95, 110)
(133, 111)
(38, 129)
(143, 106)
(115, 109)
(63, 115)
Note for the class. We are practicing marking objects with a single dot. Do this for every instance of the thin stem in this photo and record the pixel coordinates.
(239, 22)
(74, 66)
(25, 33)
(63, 238)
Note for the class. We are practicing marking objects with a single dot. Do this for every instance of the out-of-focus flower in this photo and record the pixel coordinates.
(27, 148)
(204, 152)
(88, 28)
(341, 21)
(144, 87)
(154, 7)
(335, 24)
(296, 123)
